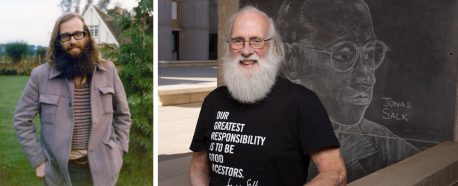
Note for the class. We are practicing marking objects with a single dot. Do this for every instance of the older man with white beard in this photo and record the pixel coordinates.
(260, 129)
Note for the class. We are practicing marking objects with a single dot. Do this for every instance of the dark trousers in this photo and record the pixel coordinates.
(80, 175)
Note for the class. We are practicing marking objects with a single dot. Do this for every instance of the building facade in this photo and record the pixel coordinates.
(101, 26)
(188, 29)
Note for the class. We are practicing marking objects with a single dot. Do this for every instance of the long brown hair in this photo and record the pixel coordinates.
(54, 43)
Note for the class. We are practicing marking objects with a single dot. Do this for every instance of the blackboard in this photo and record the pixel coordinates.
(414, 93)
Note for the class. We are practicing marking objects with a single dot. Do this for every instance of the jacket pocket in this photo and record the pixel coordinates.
(114, 157)
(48, 107)
(106, 96)
(52, 174)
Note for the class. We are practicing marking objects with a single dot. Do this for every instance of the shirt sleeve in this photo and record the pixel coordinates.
(121, 116)
(201, 136)
(315, 129)
(26, 110)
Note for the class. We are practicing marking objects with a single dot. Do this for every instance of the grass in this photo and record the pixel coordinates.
(15, 169)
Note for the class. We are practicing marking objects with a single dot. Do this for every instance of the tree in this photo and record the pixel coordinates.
(88, 3)
(103, 4)
(16, 50)
(2, 49)
(40, 53)
(135, 55)
(70, 6)
(31, 49)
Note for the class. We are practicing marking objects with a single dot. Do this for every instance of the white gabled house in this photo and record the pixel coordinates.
(102, 26)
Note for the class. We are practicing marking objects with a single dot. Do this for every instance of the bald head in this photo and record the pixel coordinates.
(250, 20)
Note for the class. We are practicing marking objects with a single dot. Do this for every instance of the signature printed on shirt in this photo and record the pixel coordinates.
(249, 182)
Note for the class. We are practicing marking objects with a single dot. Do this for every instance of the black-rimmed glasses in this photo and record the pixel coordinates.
(78, 35)
(239, 43)
(345, 54)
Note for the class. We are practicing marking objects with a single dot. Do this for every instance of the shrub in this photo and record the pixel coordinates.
(22, 68)
(16, 50)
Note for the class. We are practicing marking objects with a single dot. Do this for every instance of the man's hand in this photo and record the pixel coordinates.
(331, 168)
(40, 169)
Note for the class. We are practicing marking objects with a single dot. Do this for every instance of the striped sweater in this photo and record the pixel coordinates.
(82, 116)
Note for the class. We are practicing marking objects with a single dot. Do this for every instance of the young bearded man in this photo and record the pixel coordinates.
(84, 114)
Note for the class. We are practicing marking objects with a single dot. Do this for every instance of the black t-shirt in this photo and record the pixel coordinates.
(267, 143)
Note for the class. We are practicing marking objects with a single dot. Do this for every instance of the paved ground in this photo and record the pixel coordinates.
(177, 78)
(176, 127)
(177, 123)
(186, 75)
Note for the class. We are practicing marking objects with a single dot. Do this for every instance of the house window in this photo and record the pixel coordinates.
(174, 10)
(94, 29)
(176, 14)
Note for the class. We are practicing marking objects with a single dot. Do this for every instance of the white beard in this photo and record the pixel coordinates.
(250, 85)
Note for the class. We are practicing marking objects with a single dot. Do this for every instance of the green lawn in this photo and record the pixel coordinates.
(14, 167)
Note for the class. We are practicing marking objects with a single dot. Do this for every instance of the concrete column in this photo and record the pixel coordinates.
(213, 16)
(164, 30)
(225, 10)
(453, 57)
(195, 25)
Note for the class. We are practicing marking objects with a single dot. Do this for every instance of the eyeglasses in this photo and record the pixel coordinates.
(345, 54)
(78, 35)
(239, 43)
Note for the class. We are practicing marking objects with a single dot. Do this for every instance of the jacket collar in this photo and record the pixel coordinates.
(54, 72)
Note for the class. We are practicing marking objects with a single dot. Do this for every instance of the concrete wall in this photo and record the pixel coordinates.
(225, 10)
(199, 19)
(435, 166)
(165, 31)
(195, 30)
(213, 16)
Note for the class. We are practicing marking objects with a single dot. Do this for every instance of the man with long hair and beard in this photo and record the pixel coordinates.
(84, 114)
(260, 129)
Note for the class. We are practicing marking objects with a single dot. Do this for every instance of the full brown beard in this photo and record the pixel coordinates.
(72, 66)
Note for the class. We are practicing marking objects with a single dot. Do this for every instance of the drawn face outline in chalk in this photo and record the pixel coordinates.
(346, 93)
(345, 54)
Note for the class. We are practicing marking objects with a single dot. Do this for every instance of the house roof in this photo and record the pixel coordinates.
(106, 20)
(110, 22)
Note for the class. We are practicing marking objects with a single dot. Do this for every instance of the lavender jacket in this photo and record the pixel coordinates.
(51, 97)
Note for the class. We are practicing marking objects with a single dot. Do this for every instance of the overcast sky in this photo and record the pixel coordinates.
(32, 20)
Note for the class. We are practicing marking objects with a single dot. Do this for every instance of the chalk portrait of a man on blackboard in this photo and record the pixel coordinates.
(333, 50)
